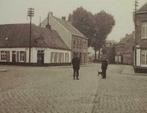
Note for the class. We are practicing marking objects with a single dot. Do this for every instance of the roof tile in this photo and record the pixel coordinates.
(17, 35)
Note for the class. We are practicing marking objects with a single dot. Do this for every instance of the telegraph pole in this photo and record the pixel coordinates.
(30, 14)
(135, 22)
(135, 13)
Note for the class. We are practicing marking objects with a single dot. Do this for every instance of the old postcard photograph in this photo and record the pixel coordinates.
(73, 56)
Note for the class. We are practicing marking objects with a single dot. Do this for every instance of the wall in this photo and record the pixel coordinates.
(15, 49)
(47, 53)
(80, 46)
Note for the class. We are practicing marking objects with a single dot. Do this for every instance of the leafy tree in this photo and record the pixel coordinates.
(95, 27)
(104, 23)
(83, 21)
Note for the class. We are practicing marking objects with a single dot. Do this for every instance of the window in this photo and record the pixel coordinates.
(74, 43)
(61, 57)
(52, 57)
(55, 58)
(5, 55)
(66, 57)
(22, 56)
(144, 30)
(144, 57)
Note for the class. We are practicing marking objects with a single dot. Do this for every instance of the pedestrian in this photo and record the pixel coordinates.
(76, 67)
(104, 68)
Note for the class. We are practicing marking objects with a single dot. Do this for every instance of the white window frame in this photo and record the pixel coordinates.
(144, 30)
(52, 57)
(22, 56)
(145, 64)
(3, 56)
(66, 57)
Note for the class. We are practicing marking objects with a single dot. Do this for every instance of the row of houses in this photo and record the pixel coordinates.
(140, 48)
(124, 50)
(55, 41)
(132, 49)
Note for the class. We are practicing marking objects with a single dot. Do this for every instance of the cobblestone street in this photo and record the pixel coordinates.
(52, 90)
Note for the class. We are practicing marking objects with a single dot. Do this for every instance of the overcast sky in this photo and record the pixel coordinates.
(15, 11)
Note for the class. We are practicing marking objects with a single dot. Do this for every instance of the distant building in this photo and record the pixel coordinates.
(140, 50)
(75, 40)
(108, 50)
(47, 47)
(124, 50)
(91, 54)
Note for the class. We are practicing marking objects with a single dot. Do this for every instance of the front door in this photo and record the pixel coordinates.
(40, 57)
(13, 56)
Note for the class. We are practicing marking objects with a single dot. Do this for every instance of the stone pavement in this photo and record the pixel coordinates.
(122, 92)
(52, 90)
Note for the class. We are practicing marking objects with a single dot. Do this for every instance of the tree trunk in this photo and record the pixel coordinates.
(99, 55)
(95, 55)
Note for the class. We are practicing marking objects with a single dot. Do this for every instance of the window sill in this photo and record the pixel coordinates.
(143, 38)
(143, 65)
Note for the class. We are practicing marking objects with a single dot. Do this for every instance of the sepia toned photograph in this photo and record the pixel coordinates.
(73, 56)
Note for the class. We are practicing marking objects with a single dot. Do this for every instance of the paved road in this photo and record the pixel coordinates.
(52, 90)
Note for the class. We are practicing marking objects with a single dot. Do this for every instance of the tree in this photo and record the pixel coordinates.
(83, 21)
(104, 23)
(95, 27)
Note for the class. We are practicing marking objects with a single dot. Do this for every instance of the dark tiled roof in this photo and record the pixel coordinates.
(143, 8)
(17, 35)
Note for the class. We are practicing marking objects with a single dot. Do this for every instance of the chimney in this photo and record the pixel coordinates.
(64, 18)
(48, 24)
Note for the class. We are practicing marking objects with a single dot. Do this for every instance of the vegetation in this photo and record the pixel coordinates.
(95, 27)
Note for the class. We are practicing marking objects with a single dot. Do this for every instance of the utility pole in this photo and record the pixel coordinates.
(135, 13)
(30, 14)
(135, 22)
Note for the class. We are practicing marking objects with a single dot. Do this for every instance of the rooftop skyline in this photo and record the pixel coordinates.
(16, 11)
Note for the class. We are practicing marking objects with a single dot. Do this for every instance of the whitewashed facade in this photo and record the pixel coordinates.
(46, 47)
(21, 55)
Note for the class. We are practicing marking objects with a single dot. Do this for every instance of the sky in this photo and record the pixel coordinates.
(15, 11)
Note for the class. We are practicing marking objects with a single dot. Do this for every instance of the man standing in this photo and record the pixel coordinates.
(76, 67)
(104, 68)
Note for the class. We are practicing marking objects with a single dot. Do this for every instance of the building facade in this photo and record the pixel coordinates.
(140, 49)
(75, 40)
(110, 51)
(124, 50)
(46, 46)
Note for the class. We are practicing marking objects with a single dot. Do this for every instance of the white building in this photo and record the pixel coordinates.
(75, 40)
(46, 45)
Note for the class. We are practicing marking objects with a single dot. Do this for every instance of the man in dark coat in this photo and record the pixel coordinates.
(76, 67)
(104, 68)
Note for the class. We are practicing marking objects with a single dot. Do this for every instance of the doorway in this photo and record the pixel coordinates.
(40, 56)
(14, 56)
